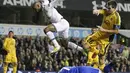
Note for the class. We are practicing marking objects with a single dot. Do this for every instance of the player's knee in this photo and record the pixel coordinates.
(46, 30)
(5, 64)
(49, 28)
(84, 44)
(14, 64)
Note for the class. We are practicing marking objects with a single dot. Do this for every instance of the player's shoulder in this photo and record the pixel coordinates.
(116, 14)
(10, 39)
(13, 39)
(6, 38)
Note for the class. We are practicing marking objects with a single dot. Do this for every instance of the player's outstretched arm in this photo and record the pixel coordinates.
(108, 31)
(116, 26)
(5, 45)
(98, 11)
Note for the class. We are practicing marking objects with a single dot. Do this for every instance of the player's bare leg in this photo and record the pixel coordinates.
(95, 65)
(49, 32)
(5, 67)
(101, 63)
(85, 45)
(14, 67)
(103, 56)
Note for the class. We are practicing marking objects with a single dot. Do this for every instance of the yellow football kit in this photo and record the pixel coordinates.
(92, 60)
(109, 22)
(9, 46)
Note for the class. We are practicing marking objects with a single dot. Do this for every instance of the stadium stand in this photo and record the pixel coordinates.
(32, 53)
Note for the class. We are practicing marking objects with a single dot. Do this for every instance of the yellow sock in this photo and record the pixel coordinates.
(5, 67)
(101, 66)
(95, 65)
(15, 68)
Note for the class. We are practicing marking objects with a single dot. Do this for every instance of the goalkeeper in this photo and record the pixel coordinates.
(9, 47)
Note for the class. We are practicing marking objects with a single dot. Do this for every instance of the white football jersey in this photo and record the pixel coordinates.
(51, 12)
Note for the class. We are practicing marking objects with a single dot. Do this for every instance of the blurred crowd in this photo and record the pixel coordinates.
(121, 54)
(32, 54)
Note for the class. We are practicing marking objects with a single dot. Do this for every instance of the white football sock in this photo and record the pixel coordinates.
(52, 37)
(74, 46)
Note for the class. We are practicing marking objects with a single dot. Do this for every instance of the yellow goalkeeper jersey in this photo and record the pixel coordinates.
(9, 46)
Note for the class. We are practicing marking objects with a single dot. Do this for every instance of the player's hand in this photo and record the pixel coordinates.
(101, 29)
(96, 12)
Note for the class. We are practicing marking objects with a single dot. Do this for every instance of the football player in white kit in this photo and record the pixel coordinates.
(58, 24)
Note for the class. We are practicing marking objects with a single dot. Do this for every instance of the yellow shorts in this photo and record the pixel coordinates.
(92, 60)
(10, 59)
(97, 39)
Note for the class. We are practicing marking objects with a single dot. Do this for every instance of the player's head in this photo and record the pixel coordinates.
(11, 34)
(111, 6)
(37, 6)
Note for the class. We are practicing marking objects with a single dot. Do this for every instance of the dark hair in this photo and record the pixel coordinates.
(112, 3)
(11, 32)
